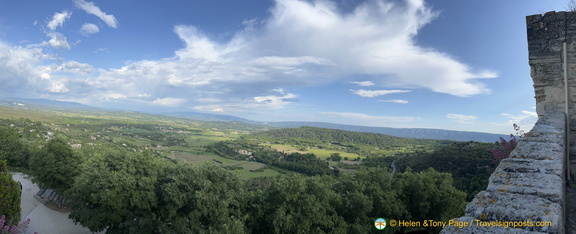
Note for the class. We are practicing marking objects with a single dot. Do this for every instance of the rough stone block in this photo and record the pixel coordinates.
(548, 186)
(539, 151)
(533, 18)
(515, 165)
(541, 129)
(502, 206)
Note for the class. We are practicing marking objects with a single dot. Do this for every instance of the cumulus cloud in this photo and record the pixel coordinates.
(88, 29)
(374, 39)
(22, 72)
(464, 119)
(92, 9)
(363, 83)
(301, 44)
(58, 20)
(275, 102)
(168, 101)
(399, 101)
(18, 67)
(376, 93)
(58, 40)
(72, 67)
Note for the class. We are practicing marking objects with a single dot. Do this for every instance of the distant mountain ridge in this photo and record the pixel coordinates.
(209, 117)
(23, 102)
(417, 133)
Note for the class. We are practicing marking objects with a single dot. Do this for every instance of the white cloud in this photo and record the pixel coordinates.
(363, 83)
(525, 119)
(168, 101)
(464, 119)
(289, 62)
(88, 29)
(92, 9)
(20, 68)
(375, 39)
(301, 44)
(115, 96)
(376, 93)
(58, 20)
(58, 41)
(399, 101)
(58, 87)
(72, 67)
(275, 102)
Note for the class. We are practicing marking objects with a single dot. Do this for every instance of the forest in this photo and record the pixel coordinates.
(137, 174)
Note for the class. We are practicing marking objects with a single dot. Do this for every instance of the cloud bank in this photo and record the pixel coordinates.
(301, 44)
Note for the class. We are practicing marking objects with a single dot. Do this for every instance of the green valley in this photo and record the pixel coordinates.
(253, 169)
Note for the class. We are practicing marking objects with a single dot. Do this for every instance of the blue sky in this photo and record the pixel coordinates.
(450, 64)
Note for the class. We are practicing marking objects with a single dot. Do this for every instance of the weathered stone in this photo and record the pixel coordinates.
(503, 206)
(543, 185)
(538, 151)
(515, 165)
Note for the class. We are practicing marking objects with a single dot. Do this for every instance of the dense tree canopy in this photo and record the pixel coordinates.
(56, 166)
(11, 149)
(116, 191)
(206, 199)
(9, 196)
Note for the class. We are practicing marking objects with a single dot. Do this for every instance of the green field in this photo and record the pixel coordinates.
(320, 153)
(324, 153)
(246, 172)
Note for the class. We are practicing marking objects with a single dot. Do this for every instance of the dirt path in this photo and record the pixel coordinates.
(43, 219)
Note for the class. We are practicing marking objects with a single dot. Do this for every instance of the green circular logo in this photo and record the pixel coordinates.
(380, 223)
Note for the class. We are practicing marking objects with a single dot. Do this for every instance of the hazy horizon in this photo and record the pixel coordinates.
(405, 64)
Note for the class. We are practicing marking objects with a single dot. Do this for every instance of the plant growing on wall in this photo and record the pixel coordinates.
(506, 147)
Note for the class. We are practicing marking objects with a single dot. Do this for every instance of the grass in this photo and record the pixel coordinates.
(320, 153)
(324, 153)
(246, 174)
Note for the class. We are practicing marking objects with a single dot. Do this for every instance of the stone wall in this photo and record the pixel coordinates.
(546, 35)
(529, 186)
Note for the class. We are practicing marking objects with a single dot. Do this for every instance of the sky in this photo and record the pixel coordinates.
(445, 64)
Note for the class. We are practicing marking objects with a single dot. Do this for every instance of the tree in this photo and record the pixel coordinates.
(56, 166)
(116, 190)
(9, 196)
(297, 204)
(206, 199)
(371, 194)
(430, 195)
(335, 157)
(11, 149)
